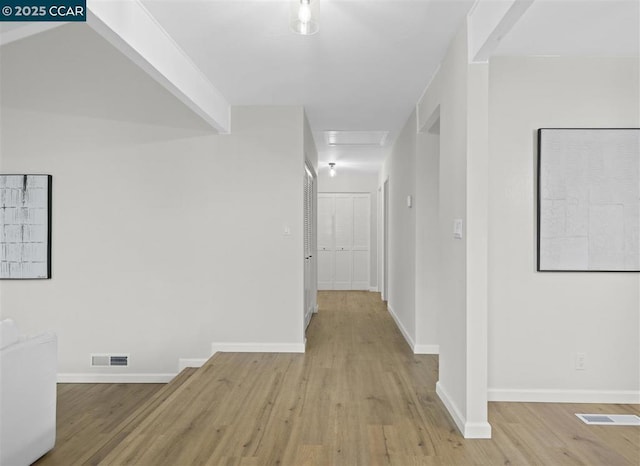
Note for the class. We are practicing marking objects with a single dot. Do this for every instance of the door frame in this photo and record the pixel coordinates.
(310, 303)
(384, 270)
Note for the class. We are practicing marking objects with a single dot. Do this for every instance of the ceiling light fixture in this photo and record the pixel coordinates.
(304, 16)
(332, 169)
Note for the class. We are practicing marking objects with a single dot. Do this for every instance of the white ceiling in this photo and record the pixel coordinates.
(595, 28)
(364, 70)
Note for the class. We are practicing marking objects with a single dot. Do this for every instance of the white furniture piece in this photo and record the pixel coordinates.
(28, 372)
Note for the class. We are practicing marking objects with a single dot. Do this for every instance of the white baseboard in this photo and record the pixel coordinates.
(426, 349)
(373, 289)
(480, 430)
(315, 309)
(307, 319)
(257, 347)
(183, 363)
(403, 330)
(115, 378)
(417, 349)
(565, 396)
(455, 413)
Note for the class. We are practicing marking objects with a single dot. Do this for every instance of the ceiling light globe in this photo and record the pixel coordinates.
(304, 14)
(304, 17)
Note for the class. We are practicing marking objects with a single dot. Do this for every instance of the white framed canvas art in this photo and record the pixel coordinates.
(25, 226)
(589, 199)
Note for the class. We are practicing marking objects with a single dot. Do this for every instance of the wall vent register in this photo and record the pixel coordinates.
(109, 360)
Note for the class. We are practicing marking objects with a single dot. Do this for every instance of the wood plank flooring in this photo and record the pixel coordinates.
(92, 419)
(357, 397)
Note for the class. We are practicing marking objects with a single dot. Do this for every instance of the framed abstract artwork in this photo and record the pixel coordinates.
(25, 226)
(589, 199)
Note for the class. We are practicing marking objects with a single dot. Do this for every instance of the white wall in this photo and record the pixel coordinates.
(160, 249)
(310, 151)
(448, 94)
(414, 253)
(486, 159)
(345, 182)
(399, 169)
(457, 95)
(427, 247)
(166, 239)
(538, 321)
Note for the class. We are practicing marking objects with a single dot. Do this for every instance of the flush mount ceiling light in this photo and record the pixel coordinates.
(332, 169)
(304, 16)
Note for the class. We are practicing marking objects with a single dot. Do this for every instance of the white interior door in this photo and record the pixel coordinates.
(360, 250)
(326, 256)
(343, 241)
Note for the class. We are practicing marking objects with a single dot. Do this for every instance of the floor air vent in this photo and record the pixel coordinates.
(109, 360)
(610, 419)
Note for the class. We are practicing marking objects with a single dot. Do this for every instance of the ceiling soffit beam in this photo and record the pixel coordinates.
(134, 31)
(490, 21)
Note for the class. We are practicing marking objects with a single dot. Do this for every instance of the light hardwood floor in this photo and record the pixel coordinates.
(357, 397)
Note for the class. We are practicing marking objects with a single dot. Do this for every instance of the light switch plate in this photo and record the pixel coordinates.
(457, 228)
